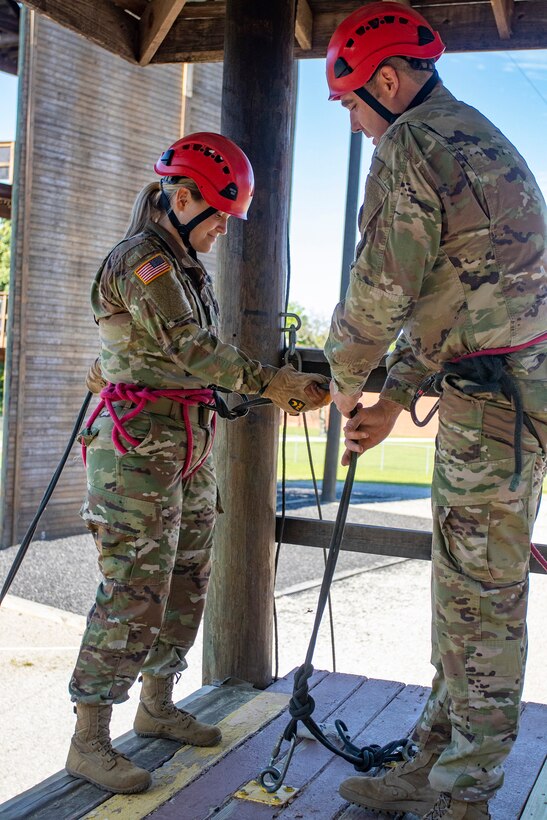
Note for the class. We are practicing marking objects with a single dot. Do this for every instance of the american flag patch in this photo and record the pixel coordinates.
(152, 268)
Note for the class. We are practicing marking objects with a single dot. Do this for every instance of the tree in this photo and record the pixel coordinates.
(314, 330)
(5, 240)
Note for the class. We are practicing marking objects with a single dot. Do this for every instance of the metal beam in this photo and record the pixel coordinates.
(503, 12)
(156, 21)
(303, 28)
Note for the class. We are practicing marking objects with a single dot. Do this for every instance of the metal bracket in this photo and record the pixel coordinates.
(256, 793)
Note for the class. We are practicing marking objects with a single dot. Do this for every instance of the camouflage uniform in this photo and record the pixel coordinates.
(453, 255)
(157, 319)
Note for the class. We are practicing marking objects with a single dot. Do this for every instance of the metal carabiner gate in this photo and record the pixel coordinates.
(277, 776)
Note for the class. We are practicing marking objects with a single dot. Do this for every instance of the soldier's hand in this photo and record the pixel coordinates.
(94, 380)
(368, 427)
(296, 392)
(345, 404)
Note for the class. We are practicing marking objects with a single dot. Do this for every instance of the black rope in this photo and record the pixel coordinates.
(25, 543)
(302, 704)
(320, 516)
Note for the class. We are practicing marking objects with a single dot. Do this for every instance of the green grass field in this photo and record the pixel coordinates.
(395, 461)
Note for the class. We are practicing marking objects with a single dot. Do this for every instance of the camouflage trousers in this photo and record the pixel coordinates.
(153, 532)
(481, 547)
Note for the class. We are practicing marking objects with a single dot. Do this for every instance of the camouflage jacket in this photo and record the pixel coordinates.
(452, 250)
(158, 319)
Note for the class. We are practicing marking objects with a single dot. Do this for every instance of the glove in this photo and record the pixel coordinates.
(296, 392)
(94, 380)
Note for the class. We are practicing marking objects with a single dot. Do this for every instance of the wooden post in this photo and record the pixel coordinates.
(257, 111)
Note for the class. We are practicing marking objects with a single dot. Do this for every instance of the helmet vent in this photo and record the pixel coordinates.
(403, 20)
(374, 23)
(425, 36)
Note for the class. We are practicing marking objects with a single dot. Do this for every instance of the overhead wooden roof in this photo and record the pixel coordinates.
(171, 31)
(9, 35)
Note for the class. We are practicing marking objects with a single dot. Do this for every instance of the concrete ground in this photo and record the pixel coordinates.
(381, 612)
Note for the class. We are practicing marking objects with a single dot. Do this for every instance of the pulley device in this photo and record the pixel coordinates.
(302, 705)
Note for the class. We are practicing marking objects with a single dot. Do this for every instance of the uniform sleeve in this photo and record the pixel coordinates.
(400, 237)
(154, 296)
(404, 374)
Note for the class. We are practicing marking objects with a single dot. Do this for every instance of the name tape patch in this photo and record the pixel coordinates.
(152, 268)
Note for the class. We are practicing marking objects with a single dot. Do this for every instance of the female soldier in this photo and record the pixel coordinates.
(152, 497)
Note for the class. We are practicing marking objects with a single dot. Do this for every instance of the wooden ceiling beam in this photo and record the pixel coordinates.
(157, 19)
(100, 21)
(303, 28)
(503, 12)
(196, 37)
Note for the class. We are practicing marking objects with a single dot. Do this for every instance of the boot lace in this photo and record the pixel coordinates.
(440, 808)
(167, 700)
(102, 742)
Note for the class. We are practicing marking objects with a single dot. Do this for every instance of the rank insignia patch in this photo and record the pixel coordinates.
(152, 268)
(296, 404)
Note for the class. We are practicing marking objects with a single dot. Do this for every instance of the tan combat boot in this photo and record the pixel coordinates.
(92, 757)
(404, 788)
(157, 716)
(446, 808)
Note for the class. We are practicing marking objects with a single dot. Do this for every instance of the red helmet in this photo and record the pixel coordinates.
(217, 165)
(372, 34)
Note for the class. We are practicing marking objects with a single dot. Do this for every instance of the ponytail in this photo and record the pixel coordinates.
(147, 208)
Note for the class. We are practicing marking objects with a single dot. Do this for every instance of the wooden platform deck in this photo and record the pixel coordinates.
(202, 784)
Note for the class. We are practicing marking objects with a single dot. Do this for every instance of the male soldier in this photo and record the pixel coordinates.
(451, 263)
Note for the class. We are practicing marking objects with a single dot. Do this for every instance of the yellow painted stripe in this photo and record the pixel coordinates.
(190, 761)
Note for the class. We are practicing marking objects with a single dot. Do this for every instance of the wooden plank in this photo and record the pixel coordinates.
(211, 791)
(363, 538)
(99, 21)
(157, 19)
(64, 796)
(522, 767)
(303, 27)
(503, 13)
(369, 539)
(190, 762)
(315, 773)
(536, 807)
(462, 26)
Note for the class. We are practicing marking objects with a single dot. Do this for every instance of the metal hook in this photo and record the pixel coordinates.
(276, 776)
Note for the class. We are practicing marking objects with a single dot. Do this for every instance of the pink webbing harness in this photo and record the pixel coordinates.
(508, 382)
(139, 396)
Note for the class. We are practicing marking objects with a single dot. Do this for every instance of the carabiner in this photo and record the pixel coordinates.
(276, 775)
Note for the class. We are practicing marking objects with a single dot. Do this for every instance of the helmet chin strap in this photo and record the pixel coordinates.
(185, 230)
(388, 115)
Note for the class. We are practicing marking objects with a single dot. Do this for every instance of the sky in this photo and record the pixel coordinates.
(508, 87)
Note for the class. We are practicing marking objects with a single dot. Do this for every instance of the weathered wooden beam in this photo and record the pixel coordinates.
(365, 538)
(198, 34)
(251, 285)
(5, 201)
(503, 12)
(8, 63)
(97, 20)
(303, 27)
(157, 19)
